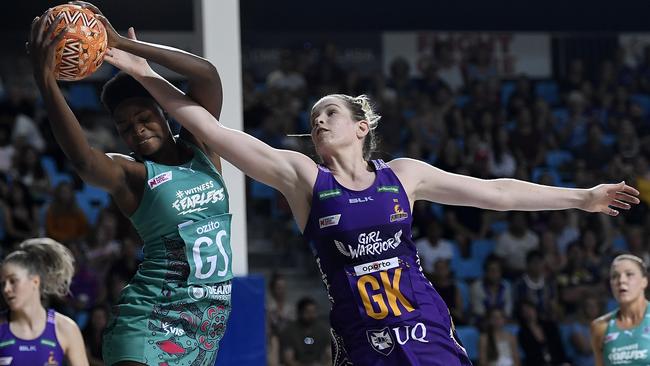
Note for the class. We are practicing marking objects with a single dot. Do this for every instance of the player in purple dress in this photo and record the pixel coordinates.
(357, 214)
(29, 333)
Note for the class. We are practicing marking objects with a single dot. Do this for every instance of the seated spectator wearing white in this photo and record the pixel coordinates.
(580, 332)
(306, 341)
(497, 346)
(447, 66)
(286, 77)
(537, 287)
(492, 291)
(514, 244)
(433, 247)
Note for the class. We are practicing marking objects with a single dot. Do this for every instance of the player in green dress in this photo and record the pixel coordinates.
(174, 311)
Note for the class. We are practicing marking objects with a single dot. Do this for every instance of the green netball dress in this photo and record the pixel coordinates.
(174, 310)
(629, 347)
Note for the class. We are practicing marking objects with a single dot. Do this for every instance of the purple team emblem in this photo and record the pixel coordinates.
(381, 340)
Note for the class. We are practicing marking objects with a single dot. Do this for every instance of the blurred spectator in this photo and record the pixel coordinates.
(497, 346)
(481, 65)
(20, 215)
(433, 247)
(27, 169)
(443, 280)
(575, 75)
(492, 291)
(286, 77)
(447, 66)
(306, 341)
(64, 219)
(92, 333)
(526, 144)
(513, 245)
(277, 309)
(7, 149)
(580, 332)
(502, 162)
(554, 261)
(539, 339)
(576, 281)
(537, 287)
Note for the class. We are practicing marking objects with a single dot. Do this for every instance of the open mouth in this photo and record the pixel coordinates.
(144, 141)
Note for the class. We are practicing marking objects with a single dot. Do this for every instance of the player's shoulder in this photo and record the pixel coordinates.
(599, 325)
(65, 324)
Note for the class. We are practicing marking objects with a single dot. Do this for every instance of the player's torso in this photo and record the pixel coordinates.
(627, 346)
(362, 241)
(184, 221)
(42, 351)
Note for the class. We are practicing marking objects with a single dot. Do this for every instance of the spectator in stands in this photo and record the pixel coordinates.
(537, 287)
(27, 169)
(92, 333)
(64, 219)
(575, 75)
(502, 162)
(277, 309)
(481, 65)
(513, 245)
(497, 346)
(580, 333)
(576, 281)
(526, 143)
(306, 341)
(539, 339)
(492, 291)
(20, 215)
(433, 247)
(443, 279)
(447, 66)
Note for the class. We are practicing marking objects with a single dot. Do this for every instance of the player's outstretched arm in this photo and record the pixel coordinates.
(433, 184)
(93, 166)
(281, 169)
(204, 83)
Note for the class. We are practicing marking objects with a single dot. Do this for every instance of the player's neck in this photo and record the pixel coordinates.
(633, 312)
(31, 316)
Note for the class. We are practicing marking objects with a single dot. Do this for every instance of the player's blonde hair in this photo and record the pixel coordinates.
(50, 260)
(635, 259)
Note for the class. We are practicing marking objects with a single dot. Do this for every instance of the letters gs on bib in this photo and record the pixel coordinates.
(208, 250)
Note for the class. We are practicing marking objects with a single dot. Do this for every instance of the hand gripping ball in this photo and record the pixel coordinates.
(81, 50)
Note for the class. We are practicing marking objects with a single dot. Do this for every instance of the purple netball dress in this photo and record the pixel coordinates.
(42, 351)
(384, 311)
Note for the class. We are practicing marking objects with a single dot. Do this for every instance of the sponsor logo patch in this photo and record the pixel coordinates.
(328, 221)
(392, 189)
(360, 199)
(323, 195)
(382, 265)
(6, 360)
(159, 179)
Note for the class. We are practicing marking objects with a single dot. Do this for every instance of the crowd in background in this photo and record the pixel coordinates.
(522, 287)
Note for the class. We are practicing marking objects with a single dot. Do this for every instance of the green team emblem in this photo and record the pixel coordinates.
(393, 189)
(323, 195)
(207, 246)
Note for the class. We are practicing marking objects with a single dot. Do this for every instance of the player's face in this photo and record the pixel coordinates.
(142, 125)
(627, 281)
(19, 288)
(332, 125)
